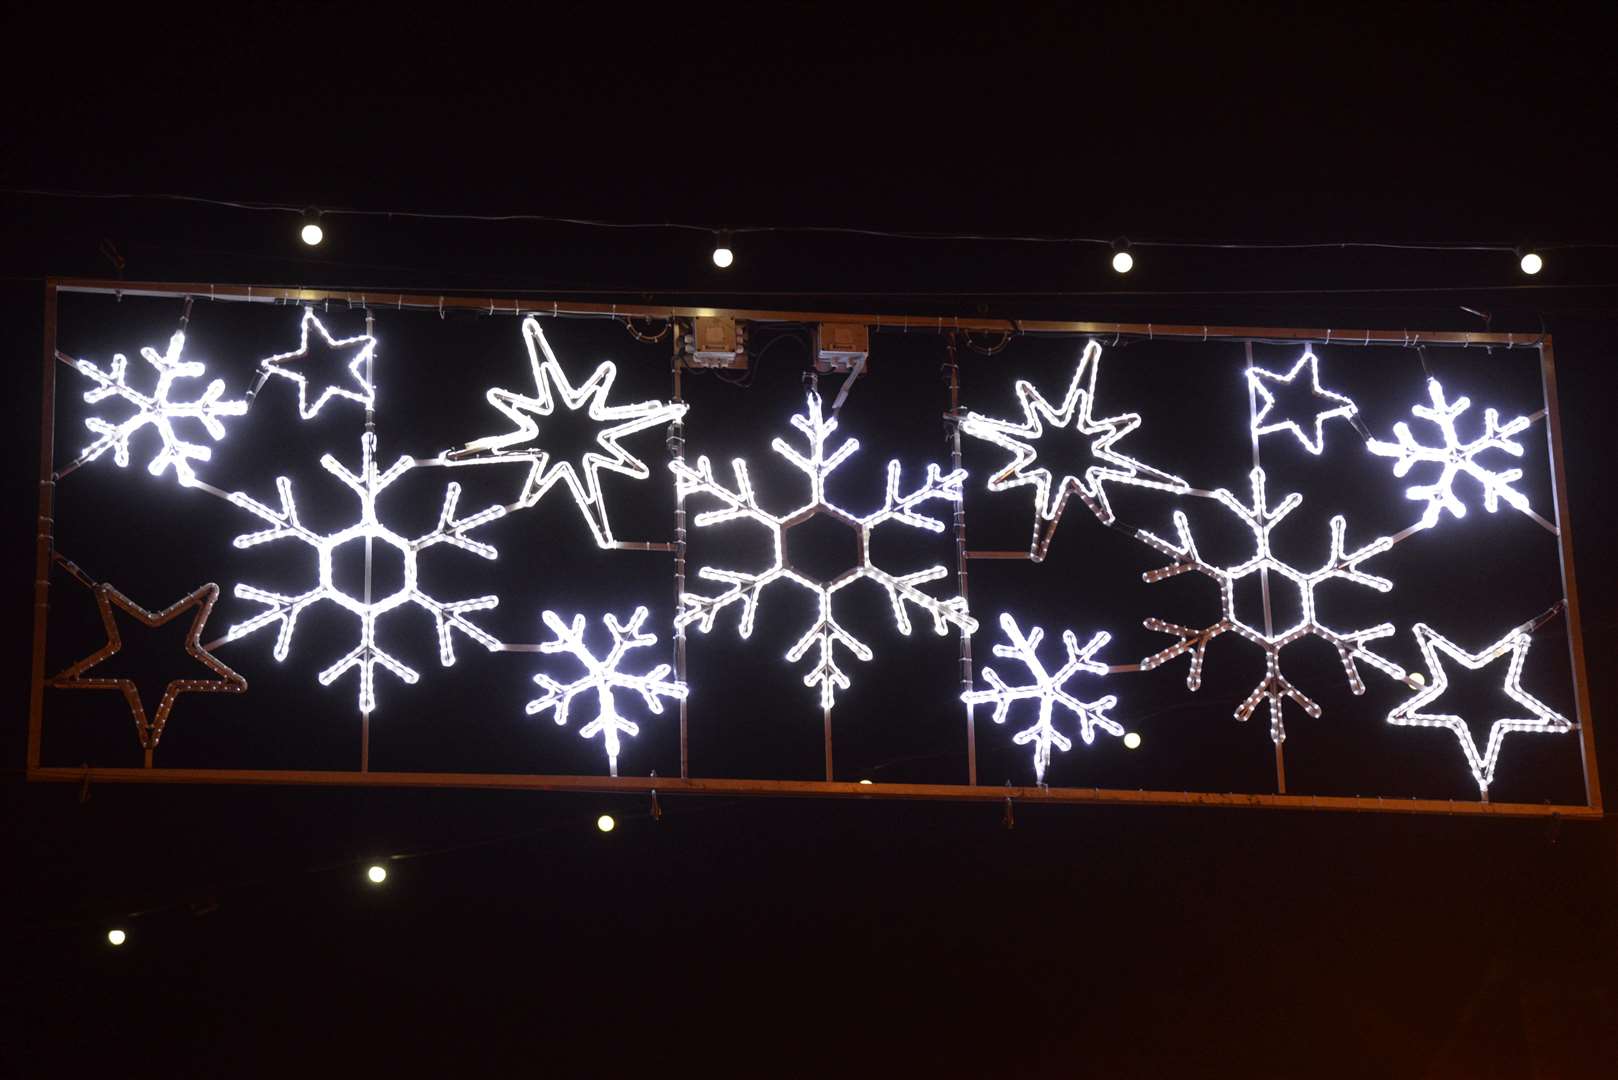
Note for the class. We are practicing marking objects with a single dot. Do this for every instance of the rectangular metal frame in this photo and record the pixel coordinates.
(1591, 809)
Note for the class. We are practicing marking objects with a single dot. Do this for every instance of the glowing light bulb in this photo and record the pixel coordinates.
(116, 937)
(605, 823)
(377, 874)
(722, 255)
(865, 781)
(1418, 679)
(1123, 262)
(312, 234)
(1531, 263)
(1132, 740)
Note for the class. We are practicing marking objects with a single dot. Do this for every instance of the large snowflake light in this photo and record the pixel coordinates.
(157, 410)
(551, 386)
(746, 588)
(285, 366)
(1482, 762)
(602, 676)
(1350, 646)
(1047, 689)
(367, 484)
(1076, 412)
(1455, 457)
(1334, 404)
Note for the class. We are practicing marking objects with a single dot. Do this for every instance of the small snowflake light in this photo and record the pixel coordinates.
(157, 411)
(1047, 689)
(1455, 457)
(1482, 762)
(1331, 403)
(551, 387)
(367, 484)
(740, 503)
(1076, 412)
(602, 677)
(1339, 564)
(285, 366)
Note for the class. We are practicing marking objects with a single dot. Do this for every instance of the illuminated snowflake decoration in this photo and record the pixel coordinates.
(1260, 381)
(1482, 762)
(746, 588)
(1455, 457)
(359, 390)
(602, 677)
(157, 411)
(1350, 646)
(1047, 689)
(551, 386)
(1076, 412)
(366, 656)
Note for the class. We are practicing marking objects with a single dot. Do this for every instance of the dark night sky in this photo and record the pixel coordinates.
(764, 937)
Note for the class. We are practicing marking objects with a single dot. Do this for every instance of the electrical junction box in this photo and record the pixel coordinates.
(842, 346)
(715, 342)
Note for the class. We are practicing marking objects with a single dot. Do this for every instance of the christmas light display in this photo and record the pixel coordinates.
(1047, 689)
(367, 484)
(361, 390)
(1075, 412)
(1339, 564)
(1259, 380)
(149, 731)
(602, 676)
(1455, 457)
(745, 587)
(1482, 762)
(550, 386)
(157, 410)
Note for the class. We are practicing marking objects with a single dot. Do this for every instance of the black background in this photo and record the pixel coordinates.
(758, 936)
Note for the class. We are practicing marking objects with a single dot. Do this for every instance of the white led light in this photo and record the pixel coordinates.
(312, 234)
(364, 350)
(1123, 262)
(377, 874)
(1257, 378)
(867, 782)
(602, 677)
(1531, 263)
(367, 484)
(550, 386)
(1350, 646)
(116, 937)
(723, 256)
(605, 823)
(1047, 689)
(1455, 457)
(157, 411)
(747, 587)
(1075, 412)
(1482, 762)
(1132, 740)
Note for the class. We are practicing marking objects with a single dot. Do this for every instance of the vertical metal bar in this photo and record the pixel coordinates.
(954, 369)
(677, 452)
(1263, 571)
(370, 431)
(825, 714)
(1570, 585)
(44, 526)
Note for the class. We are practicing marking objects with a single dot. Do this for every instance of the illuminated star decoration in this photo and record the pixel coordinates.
(1515, 644)
(1258, 377)
(1350, 645)
(157, 411)
(603, 677)
(550, 386)
(1075, 412)
(1047, 689)
(360, 390)
(1455, 457)
(741, 504)
(368, 483)
(150, 731)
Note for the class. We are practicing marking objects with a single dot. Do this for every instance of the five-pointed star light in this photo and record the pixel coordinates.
(149, 731)
(1482, 762)
(1077, 412)
(360, 390)
(1335, 404)
(551, 386)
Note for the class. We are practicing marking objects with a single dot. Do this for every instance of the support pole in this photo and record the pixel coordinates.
(1263, 571)
(953, 370)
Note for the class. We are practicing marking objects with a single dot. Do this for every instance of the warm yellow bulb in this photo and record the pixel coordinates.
(1532, 263)
(1123, 262)
(605, 823)
(116, 937)
(312, 234)
(1132, 740)
(377, 874)
(865, 781)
